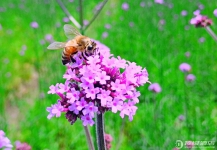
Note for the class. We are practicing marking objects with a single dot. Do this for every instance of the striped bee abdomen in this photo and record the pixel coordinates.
(67, 55)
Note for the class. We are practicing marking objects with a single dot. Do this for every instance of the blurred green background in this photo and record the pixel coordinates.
(155, 36)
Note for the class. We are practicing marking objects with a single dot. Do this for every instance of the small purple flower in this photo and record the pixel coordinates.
(215, 12)
(155, 87)
(189, 144)
(105, 97)
(22, 146)
(196, 12)
(66, 19)
(55, 110)
(4, 141)
(105, 34)
(184, 67)
(90, 109)
(107, 26)
(187, 54)
(181, 117)
(125, 6)
(159, 1)
(87, 120)
(34, 24)
(49, 38)
(91, 92)
(184, 13)
(85, 22)
(202, 39)
(142, 4)
(190, 77)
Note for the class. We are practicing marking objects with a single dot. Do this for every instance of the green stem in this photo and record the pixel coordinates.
(81, 16)
(209, 30)
(119, 140)
(95, 16)
(89, 139)
(68, 14)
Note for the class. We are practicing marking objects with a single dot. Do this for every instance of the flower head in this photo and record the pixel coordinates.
(108, 140)
(215, 12)
(201, 21)
(34, 24)
(184, 67)
(4, 141)
(22, 146)
(190, 77)
(97, 85)
(155, 87)
(125, 6)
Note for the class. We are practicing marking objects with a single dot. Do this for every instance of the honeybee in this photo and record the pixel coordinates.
(78, 43)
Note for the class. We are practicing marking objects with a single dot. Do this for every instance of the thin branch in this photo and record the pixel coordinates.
(97, 13)
(81, 16)
(68, 14)
(209, 30)
(89, 139)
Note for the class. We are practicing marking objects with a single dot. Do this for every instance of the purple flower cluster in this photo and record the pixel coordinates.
(96, 85)
(186, 68)
(4, 141)
(200, 20)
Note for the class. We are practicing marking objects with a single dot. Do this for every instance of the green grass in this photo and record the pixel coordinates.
(25, 80)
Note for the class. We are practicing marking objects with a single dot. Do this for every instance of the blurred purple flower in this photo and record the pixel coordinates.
(125, 6)
(184, 13)
(105, 34)
(4, 141)
(202, 39)
(34, 24)
(66, 19)
(201, 21)
(108, 26)
(159, 1)
(189, 144)
(42, 42)
(201, 6)
(184, 67)
(22, 146)
(142, 4)
(190, 77)
(187, 27)
(71, 1)
(100, 86)
(162, 21)
(187, 54)
(0, 27)
(196, 12)
(108, 141)
(49, 38)
(155, 87)
(181, 117)
(85, 22)
(215, 12)
(131, 24)
(58, 24)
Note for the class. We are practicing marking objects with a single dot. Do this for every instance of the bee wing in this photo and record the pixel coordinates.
(56, 45)
(70, 31)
